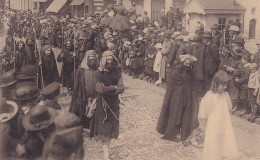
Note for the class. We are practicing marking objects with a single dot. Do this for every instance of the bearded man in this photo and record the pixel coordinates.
(84, 87)
(30, 50)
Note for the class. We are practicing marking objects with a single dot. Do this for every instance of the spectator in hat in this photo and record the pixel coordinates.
(253, 92)
(157, 63)
(240, 77)
(184, 47)
(177, 40)
(66, 142)
(49, 66)
(150, 54)
(132, 12)
(140, 55)
(163, 18)
(216, 35)
(256, 58)
(167, 48)
(238, 46)
(50, 96)
(8, 130)
(146, 19)
(7, 84)
(28, 74)
(84, 89)
(38, 123)
(125, 55)
(211, 58)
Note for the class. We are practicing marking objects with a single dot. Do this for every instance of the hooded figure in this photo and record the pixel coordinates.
(49, 66)
(108, 87)
(84, 87)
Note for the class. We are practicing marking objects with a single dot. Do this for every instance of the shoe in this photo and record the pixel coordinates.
(243, 112)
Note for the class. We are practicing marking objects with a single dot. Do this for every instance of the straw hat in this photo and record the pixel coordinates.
(158, 45)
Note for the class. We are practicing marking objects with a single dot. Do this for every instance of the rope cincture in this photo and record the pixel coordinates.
(105, 106)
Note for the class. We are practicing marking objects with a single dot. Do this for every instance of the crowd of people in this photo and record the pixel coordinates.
(95, 51)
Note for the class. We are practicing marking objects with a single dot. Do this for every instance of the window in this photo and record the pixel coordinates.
(221, 23)
(253, 10)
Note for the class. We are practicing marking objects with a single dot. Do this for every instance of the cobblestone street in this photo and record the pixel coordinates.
(138, 140)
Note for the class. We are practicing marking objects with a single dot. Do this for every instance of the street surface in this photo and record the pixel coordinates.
(140, 107)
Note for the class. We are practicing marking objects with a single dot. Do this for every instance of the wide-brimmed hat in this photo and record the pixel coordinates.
(214, 26)
(158, 45)
(27, 72)
(8, 109)
(234, 28)
(39, 117)
(8, 79)
(239, 39)
(26, 91)
(187, 56)
(66, 120)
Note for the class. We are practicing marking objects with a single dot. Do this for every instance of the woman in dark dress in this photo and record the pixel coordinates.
(180, 107)
(109, 85)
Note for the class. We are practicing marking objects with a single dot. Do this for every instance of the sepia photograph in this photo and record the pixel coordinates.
(129, 79)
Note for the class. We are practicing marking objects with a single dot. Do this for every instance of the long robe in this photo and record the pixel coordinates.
(180, 107)
(49, 69)
(106, 124)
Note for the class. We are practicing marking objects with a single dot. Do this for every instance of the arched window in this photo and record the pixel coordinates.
(252, 27)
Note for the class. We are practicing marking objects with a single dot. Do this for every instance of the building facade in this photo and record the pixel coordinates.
(209, 12)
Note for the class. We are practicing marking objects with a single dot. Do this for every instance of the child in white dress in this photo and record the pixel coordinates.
(214, 119)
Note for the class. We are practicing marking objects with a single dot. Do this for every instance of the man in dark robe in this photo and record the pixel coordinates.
(67, 57)
(7, 53)
(84, 87)
(21, 58)
(30, 50)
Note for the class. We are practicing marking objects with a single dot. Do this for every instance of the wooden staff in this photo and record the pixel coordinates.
(14, 50)
(35, 50)
(74, 56)
(40, 55)
(62, 49)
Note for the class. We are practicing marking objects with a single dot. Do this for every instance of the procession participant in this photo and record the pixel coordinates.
(241, 77)
(215, 120)
(7, 53)
(108, 87)
(180, 107)
(49, 67)
(8, 130)
(21, 58)
(32, 54)
(7, 84)
(101, 46)
(84, 90)
(38, 123)
(66, 142)
(66, 56)
(256, 58)
(50, 96)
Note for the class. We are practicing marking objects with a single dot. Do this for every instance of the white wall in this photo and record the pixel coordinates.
(249, 4)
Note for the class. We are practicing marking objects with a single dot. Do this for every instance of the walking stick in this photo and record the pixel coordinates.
(35, 50)
(74, 56)
(62, 49)
(41, 67)
(14, 51)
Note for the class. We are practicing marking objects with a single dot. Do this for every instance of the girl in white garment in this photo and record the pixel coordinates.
(214, 119)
